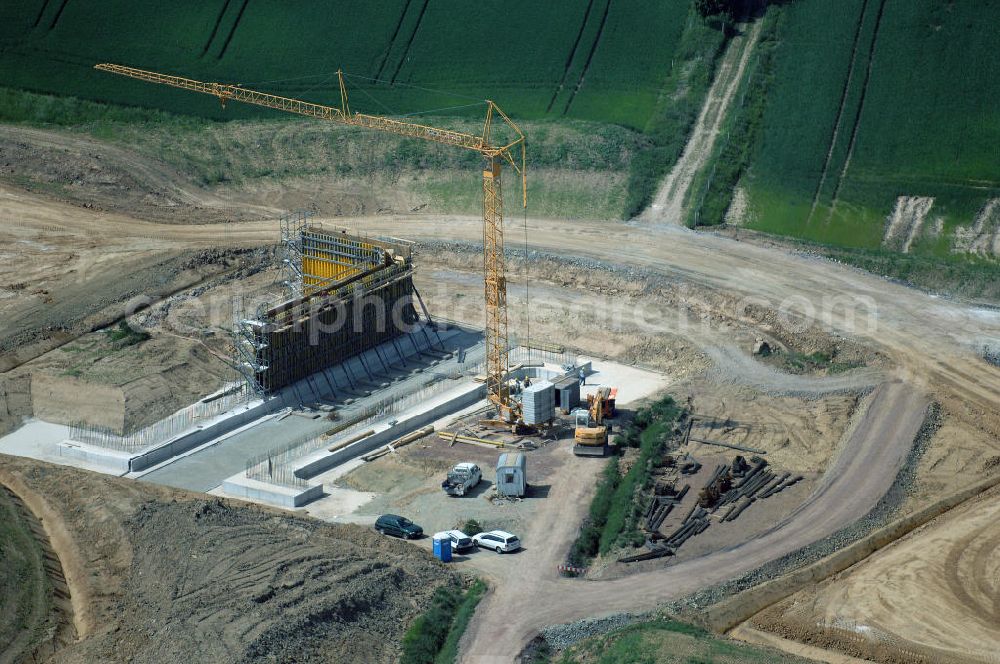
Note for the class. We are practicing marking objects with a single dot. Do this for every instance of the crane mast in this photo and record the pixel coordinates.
(494, 279)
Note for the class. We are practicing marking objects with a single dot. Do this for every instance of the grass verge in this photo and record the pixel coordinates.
(449, 651)
(959, 275)
(614, 512)
(24, 596)
(682, 97)
(433, 637)
(963, 275)
(126, 335)
(667, 642)
(742, 133)
(798, 363)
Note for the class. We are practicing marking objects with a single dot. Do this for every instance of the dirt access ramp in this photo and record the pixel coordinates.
(669, 205)
(169, 576)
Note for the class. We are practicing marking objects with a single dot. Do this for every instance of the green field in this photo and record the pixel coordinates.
(570, 59)
(665, 642)
(570, 69)
(24, 600)
(868, 100)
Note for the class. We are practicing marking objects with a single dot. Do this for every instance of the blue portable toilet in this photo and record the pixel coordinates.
(442, 549)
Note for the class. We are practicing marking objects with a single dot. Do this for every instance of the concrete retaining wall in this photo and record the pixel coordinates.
(728, 614)
(308, 390)
(99, 456)
(312, 466)
(272, 494)
(193, 439)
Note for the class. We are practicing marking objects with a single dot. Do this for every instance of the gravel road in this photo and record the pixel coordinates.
(930, 342)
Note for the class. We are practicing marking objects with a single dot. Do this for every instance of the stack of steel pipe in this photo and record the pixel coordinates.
(695, 522)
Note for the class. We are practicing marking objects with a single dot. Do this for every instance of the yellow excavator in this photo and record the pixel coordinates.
(591, 432)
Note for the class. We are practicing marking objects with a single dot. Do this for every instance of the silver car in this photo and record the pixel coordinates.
(499, 540)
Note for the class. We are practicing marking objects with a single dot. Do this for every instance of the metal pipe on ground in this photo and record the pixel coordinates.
(353, 439)
(719, 443)
(400, 442)
(460, 438)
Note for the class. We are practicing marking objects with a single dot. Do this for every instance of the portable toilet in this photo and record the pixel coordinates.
(512, 479)
(442, 548)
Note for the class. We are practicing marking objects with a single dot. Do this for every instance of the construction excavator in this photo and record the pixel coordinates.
(495, 147)
(591, 436)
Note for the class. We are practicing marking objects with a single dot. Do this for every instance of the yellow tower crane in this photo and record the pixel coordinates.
(493, 257)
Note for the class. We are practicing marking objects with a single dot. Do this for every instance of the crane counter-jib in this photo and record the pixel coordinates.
(496, 296)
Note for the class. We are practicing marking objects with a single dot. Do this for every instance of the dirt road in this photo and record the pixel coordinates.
(929, 341)
(669, 205)
(540, 597)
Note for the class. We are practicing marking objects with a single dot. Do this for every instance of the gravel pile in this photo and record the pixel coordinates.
(561, 637)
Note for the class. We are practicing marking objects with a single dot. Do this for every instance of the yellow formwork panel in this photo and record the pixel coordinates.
(329, 258)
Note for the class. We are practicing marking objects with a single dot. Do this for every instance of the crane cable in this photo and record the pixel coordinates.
(527, 292)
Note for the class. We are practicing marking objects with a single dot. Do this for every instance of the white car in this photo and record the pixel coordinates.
(459, 541)
(499, 540)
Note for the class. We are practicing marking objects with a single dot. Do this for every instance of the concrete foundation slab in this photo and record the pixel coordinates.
(240, 486)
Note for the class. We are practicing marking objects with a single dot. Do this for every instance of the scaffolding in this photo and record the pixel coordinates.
(249, 347)
(347, 294)
(292, 226)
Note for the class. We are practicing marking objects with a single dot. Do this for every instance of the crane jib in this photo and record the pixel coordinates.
(496, 286)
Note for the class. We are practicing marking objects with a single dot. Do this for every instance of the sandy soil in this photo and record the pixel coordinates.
(233, 582)
(706, 292)
(933, 596)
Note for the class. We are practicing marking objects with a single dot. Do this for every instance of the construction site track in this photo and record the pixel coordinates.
(52, 614)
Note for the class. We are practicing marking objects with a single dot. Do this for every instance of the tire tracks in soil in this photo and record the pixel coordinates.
(590, 57)
(840, 111)
(669, 203)
(215, 28)
(409, 43)
(58, 15)
(41, 12)
(860, 113)
(392, 40)
(572, 55)
(232, 31)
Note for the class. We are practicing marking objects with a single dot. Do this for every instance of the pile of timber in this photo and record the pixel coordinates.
(695, 522)
(735, 485)
(757, 482)
(661, 505)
